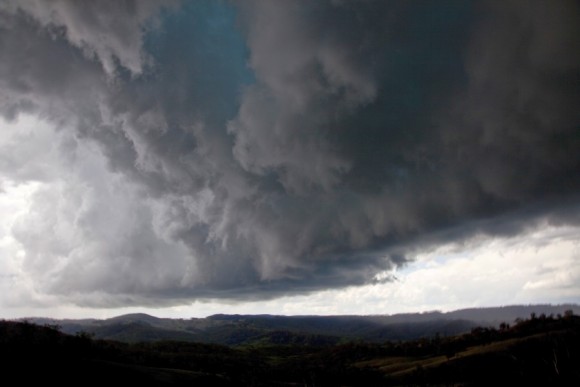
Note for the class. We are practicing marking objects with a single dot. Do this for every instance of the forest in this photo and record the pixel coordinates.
(542, 349)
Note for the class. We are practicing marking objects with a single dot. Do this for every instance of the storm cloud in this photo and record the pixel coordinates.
(251, 150)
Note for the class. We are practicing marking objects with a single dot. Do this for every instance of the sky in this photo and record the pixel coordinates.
(186, 158)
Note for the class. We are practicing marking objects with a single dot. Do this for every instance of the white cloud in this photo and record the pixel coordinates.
(69, 227)
(494, 272)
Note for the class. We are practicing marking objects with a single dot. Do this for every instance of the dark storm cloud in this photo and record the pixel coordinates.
(109, 31)
(264, 148)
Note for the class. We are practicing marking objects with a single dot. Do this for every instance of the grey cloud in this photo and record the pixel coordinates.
(311, 62)
(518, 117)
(464, 122)
(41, 73)
(365, 133)
(111, 31)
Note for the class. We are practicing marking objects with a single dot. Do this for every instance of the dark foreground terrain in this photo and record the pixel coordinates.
(540, 350)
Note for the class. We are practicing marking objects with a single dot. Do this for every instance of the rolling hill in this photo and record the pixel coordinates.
(247, 329)
(540, 350)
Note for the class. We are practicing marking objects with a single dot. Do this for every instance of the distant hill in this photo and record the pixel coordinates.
(325, 330)
(540, 350)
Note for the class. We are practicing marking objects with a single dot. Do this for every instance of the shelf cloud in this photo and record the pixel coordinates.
(252, 150)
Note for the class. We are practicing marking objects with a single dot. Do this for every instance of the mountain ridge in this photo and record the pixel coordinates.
(246, 329)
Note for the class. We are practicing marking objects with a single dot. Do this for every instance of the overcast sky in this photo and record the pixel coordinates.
(289, 157)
